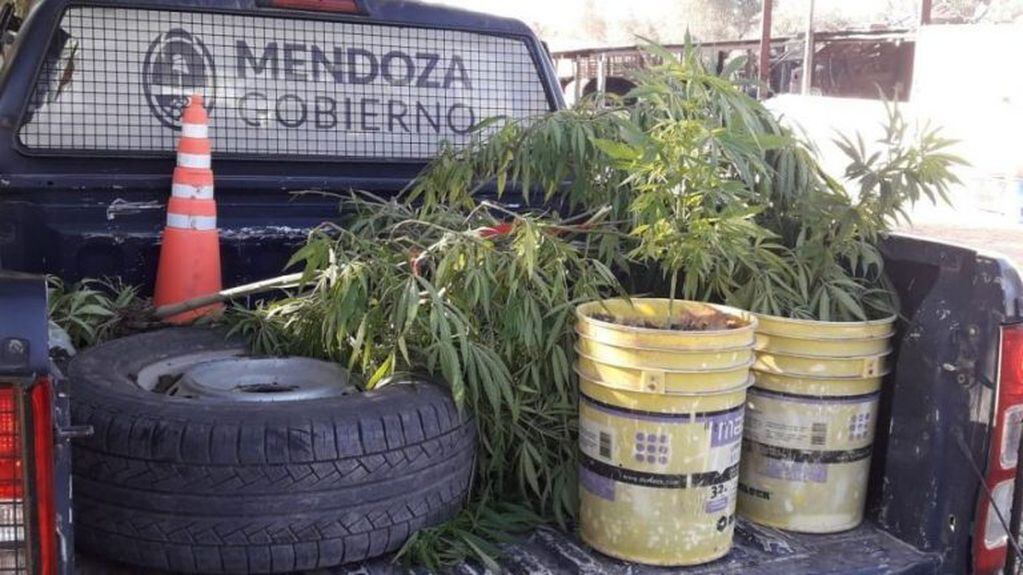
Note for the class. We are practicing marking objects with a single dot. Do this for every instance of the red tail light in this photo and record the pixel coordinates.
(13, 554)
(10, 449)
(28, 531)
(342, 6)
(42, 427)
(990, 540)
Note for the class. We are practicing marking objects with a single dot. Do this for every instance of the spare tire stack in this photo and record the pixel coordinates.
(219, 486)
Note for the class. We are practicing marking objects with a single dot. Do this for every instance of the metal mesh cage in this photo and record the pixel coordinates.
(116, 79)
(14, 556)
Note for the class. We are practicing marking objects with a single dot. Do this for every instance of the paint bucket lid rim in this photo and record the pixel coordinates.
(820, 379)
(887, 353)
(750, 318)
(890, 320)
(676, 349)
(725, 391)
(825, 337)
(747, 365)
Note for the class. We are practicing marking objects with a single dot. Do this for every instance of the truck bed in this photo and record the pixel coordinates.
(758, 551)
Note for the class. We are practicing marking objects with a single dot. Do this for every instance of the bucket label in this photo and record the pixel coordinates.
(725, 438)
(635, 447)
(751, 491)
(669, 485)
(726, 428)
(724, 456)
(807, 455)
(810, 422)
(721, 498)
(596, 439)
(801, 471)
(652, 448)
(660, 480)
(716, 505)
(861, 425)
(603, 487)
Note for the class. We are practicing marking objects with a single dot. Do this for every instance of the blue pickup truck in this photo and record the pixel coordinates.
(342, 94)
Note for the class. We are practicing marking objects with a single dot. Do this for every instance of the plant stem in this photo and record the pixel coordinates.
(671, 299)
(245, 290)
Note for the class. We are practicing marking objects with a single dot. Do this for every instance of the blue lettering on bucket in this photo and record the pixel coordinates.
(726, 428)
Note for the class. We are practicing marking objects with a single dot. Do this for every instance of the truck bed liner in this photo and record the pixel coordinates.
(758, 551)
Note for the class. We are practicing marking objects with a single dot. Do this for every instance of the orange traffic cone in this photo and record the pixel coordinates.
(190, 255)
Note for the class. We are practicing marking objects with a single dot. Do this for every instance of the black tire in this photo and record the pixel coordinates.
(192, 486)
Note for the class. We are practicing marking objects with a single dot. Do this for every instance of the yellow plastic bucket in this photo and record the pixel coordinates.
(768, 361)
(812, 330)
(660, 433)
(670, 359)
(869, 346)
(655, 380)
(810, 422)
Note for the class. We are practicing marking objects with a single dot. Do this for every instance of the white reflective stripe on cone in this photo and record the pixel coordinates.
(186, 222)
(195, 131)
(193, 160)
(192, 192)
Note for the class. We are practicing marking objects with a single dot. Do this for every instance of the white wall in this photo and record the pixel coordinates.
(966, 80)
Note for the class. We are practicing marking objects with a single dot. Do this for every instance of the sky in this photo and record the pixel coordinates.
(570, 24)
(541, 10)
(562, 10)
(560, 22)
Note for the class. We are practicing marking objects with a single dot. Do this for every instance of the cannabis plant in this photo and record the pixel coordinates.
(482, 298)
(91, 311)
(690, 155)
(676, 169)
(687, 175)
(831, 235)
(706, 185)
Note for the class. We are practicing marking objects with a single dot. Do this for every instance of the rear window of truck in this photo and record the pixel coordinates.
(115, 81)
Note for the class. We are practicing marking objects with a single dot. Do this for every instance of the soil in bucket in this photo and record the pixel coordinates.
(660, 436)
(708, 319)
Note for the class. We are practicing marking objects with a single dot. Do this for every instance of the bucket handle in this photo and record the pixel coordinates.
(652, 380)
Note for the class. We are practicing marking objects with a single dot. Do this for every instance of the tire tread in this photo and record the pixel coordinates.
(177, 486)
